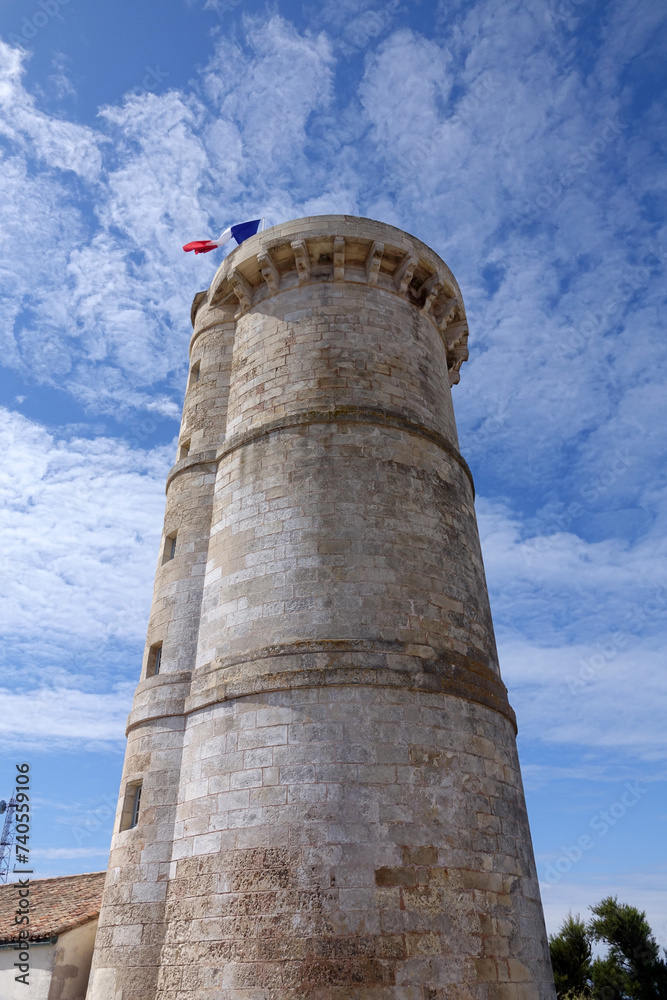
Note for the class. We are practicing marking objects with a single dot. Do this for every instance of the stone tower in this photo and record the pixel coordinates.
(321, 795)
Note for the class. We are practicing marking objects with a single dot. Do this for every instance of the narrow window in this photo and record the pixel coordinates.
(184, 450)
(136, 805)
(169, 548)
(154, 660)
(194, 374)
(131, 806)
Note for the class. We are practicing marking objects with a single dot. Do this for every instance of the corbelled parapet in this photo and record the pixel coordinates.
(321, 795)
(343, 248)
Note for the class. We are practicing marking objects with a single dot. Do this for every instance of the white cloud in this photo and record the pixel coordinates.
(68, 853)
(61, 144)
(404, 94)
(560, 560)
(59, 80)
(47, 718)
(581, 629)
(601, 696)
(80, 521)
(287, 78)
(355, 25)
(33, 302)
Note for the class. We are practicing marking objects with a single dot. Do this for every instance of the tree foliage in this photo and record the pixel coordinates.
(571, 957)
(631, 969)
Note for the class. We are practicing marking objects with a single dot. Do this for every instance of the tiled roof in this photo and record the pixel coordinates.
(56, 905)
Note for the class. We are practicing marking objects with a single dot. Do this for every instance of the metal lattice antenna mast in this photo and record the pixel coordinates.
(7, 839)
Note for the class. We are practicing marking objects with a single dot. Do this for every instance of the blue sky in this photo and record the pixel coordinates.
(523, 142)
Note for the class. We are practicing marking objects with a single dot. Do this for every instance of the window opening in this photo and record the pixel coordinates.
(131, 806)
(154, 660)
(169, 548)
(136, 804)
(194, 373)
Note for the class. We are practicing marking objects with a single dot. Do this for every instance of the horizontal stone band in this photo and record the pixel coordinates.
(192, 462)
(344, 414)
(318, 663)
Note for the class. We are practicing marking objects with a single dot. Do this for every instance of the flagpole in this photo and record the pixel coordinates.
(262, 229)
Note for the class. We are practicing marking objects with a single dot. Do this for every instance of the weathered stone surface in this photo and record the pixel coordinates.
(331, 804)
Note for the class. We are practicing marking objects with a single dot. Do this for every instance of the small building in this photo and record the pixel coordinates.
(63, 921)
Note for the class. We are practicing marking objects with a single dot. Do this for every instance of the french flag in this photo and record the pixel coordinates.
(240, 232)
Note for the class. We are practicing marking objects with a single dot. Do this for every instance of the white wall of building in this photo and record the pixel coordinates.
(57, 971)
(42, 960)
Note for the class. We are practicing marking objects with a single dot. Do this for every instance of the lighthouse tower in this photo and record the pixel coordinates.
(321, 795)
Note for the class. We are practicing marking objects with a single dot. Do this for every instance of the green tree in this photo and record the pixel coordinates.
(571, 958)
(632, 968)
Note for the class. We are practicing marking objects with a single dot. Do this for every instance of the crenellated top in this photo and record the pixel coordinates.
(337, 248)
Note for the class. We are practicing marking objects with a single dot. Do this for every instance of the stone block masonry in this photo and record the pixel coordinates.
(331, 803)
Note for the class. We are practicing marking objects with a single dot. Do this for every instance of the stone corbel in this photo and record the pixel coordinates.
(269, 270)
(430, 289)
(242, 290)
(339, 258)
(373, 262)
(403, 274)
(453, 333)
(196, 302)
(302, 260)
(445, 312)
(455, 359)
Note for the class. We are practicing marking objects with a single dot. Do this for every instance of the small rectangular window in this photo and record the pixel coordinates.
(184, 450)
(169, 548)
(194, 374)
(154, 660)
(131, 806)
(136, 804)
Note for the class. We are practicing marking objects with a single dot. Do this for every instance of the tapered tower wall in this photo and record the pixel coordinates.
(331, 803)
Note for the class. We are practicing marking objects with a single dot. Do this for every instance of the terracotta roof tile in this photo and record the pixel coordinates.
(56, 904)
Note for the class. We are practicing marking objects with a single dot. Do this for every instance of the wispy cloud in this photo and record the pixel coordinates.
(59, 144)
(80, 521)
(68, 509)
(67, 853)
(46, 718)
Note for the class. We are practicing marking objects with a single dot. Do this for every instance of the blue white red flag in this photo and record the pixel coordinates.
(240, 232)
